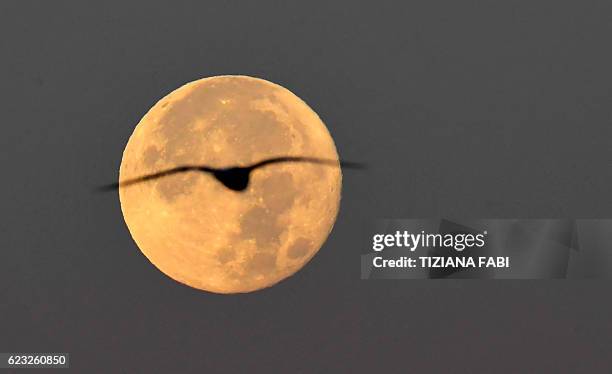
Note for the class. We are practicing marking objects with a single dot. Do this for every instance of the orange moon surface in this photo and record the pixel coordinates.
(202, 234)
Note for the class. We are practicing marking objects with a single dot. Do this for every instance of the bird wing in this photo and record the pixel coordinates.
(313, 160)
(159, 174)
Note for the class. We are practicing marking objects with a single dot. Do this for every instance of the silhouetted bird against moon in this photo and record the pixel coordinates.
(273, 197)
(235, 178)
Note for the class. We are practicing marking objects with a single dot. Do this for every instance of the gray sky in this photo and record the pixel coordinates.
(461, 109)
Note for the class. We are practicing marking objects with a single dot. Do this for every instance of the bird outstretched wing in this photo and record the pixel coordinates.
(312, 160)
(163, 173)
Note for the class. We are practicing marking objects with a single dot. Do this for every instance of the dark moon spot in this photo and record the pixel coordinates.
(261, 264)
(299, 248)
(260, 224)
(226, 256)
(150, 156)
(278, 192)
(252, 131)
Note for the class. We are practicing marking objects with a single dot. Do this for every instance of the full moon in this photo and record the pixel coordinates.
(204, 235)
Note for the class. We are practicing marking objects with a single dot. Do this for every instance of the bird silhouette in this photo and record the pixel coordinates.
(235, 178)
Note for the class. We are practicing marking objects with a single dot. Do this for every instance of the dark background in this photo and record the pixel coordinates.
(461, 108)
